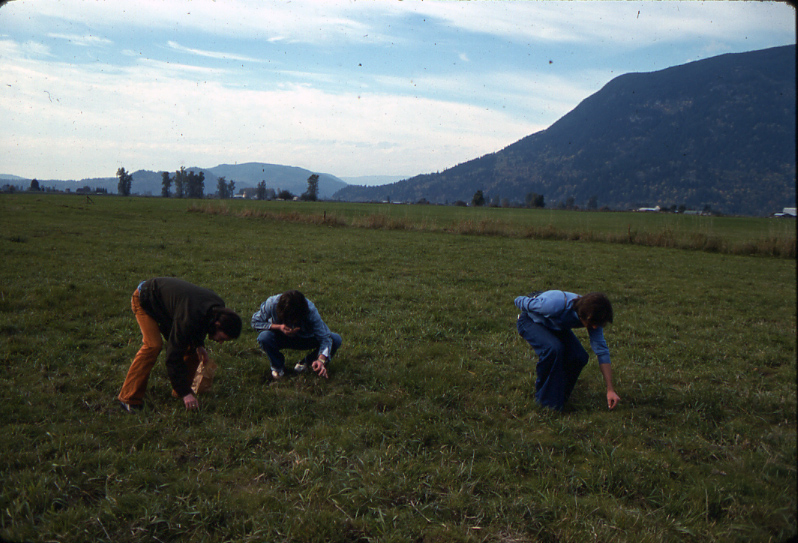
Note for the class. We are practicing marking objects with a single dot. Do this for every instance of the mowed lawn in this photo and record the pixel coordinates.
(427, 429)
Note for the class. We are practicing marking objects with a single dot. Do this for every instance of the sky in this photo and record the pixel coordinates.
(350, 88)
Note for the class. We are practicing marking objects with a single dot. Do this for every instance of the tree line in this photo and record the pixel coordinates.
(189, 184)
(532, 199)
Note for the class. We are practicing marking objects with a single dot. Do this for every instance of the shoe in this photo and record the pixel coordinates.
(129, 407)
(277, 375)
(304, 364)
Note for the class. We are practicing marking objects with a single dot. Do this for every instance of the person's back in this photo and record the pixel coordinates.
(546, 323)
(185, 314)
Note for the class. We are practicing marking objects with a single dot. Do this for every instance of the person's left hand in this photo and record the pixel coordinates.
(612, 399)
(319, 367)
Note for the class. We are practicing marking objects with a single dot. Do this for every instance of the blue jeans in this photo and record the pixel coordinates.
(561, 358)
(274, 342)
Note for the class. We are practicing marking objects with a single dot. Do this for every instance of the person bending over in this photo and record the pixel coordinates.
(546, 322)
(291, 321)
(185, 314)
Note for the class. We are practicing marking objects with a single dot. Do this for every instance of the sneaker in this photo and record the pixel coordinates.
(129, 407)
(304, 364)
(277, 375)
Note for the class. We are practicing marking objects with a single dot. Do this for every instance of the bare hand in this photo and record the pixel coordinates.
(191, 402)
(612, 399)
(319, 367)
(287, 330)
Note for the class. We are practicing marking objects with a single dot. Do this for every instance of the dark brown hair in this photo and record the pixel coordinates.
(595, 308)
(229, 322)
(292, 308)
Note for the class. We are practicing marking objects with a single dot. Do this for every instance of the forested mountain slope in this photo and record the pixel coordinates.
(718, 132)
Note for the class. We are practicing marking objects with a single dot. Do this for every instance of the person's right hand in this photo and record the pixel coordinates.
(191, 402)
(319, 367)
(287, 330)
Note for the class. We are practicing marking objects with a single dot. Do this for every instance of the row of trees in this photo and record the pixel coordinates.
(533, 199)
(189, 184)
(35, 186)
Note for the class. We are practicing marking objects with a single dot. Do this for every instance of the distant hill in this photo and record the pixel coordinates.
(373, 180)
(6, 178)
(247, 175)
(718, 132)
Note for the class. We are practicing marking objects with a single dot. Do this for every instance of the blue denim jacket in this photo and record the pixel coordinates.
(312, 328)
(554, 310)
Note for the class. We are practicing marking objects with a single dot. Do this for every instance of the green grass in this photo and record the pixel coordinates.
(427, 429)
(730, 235)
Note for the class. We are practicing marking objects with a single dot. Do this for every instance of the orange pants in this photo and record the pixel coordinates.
(135, 384)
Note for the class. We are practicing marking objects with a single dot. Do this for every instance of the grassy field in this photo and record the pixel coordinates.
(427, 429)
(730, 235)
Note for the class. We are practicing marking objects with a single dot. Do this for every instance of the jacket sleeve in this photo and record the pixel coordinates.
(181, 339)
(319, 330)
(599, 345)
(262, 318)
(176, 370)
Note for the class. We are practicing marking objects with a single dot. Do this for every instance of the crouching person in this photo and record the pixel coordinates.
(185, 314)
(291, 321)
(546, 322)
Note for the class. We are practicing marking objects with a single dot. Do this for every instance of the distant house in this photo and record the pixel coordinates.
(650, 209)
(788, 212)
(249, 193)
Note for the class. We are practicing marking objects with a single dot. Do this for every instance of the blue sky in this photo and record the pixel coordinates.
(350, 88)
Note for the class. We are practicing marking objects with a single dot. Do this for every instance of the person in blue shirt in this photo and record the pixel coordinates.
(291, 321)
(546, 322)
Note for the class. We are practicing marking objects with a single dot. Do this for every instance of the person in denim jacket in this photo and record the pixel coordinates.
(291, 321)
(546, 322)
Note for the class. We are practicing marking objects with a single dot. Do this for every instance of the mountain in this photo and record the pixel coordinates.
(246, 175)
(5, 178)
(718, 132)
(373, 180)
(288, 178)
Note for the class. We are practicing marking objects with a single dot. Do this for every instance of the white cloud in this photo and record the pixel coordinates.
(210, 54)
(331, 21)
(306, 21)
(164, 115)
(10, 49)
(616, 22)
(81, 40)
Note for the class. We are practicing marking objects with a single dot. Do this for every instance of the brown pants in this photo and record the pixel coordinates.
(135, 384)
